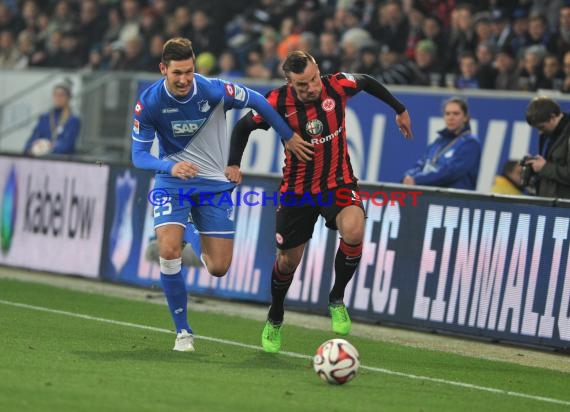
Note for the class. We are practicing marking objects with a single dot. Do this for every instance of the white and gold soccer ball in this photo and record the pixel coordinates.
(336, 361)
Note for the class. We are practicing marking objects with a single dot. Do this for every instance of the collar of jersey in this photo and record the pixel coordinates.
(194, 90)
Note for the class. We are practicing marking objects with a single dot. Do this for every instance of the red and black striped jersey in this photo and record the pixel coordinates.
(321, 122)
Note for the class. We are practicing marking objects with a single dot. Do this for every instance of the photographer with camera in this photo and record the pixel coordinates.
(552, 165)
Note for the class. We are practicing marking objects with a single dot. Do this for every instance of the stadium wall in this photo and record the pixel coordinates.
(494, 267)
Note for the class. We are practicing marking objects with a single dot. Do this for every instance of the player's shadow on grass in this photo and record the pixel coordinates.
(262, 360)
(146, 354)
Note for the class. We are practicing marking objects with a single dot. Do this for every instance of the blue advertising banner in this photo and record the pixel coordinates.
(378, 151)
(487, 266)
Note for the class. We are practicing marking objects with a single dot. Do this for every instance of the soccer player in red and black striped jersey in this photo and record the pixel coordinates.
(314, 107)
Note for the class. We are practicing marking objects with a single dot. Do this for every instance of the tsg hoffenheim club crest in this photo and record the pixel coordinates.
(121, 236)
(203, 106)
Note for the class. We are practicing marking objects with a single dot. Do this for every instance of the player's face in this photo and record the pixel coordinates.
(307, 85)
(179, 76)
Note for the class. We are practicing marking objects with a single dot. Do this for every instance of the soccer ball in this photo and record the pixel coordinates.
(40, 147)
(336, 361)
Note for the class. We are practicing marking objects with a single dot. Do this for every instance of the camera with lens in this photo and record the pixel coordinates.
(528, 176)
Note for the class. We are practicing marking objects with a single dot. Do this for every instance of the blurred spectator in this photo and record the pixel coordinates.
(483, 29)
(57, 130)
(560, 41)
(26, 49)
(566, 72)
(551, 78)
(228, 66)
(452, 160)
(462, 35)
(505, 63)
(501, 28)
(368, 61)
(131, 57)
(396, 69)
(538, 30)
(415, 34)
(429, 68)
(328, 54)
(486, 73)
(468, 69)
(131, 20)
(181, 24)
(352, 42)
(63, 18)
(509, 181)
(91, 26)
(520, 37)
(390, 26)
(255, 66)
(154, 56)
(531, 71)
(205, 36)
(9, 54)
(432, 30)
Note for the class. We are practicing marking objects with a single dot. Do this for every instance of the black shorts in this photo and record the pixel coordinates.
(296, 214)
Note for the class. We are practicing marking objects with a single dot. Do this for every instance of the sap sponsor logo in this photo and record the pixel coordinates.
(138, 108)
(491, 282)
(167, 110)
(314, 127)
(204, 106)
(136, 126)
(329, 137)
(182, 128)
(58, 213)
(240, 93)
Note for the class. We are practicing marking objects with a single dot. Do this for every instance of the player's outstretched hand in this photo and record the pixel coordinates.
(300, 148)
(233, 173)
(404, 124)
(184, 170)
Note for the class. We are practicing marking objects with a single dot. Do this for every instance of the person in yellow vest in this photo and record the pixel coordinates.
(509, 181)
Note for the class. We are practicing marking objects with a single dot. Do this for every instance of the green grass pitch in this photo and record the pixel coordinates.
(63, 350)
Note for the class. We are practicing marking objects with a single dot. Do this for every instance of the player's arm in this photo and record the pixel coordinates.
(373, 87)
(293, 142)
(240, 136)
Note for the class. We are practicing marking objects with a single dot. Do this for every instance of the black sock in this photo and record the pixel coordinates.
(280, 283)
(345, 264)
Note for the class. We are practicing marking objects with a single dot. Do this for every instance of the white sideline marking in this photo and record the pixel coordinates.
(290, 354)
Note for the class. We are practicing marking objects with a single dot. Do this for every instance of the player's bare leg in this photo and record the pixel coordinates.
(217, 254)
(350, 223)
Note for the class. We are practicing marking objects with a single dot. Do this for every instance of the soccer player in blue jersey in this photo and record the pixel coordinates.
(186, 113)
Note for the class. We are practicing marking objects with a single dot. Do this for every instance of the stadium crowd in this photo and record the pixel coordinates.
(501, 45)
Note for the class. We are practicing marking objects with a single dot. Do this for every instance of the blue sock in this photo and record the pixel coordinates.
(192, 236)
(177, 298)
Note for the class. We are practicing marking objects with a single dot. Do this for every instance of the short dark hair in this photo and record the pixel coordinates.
(541, 109)
(509, 167)
(297, 61)
(177, 48)
(462, 103)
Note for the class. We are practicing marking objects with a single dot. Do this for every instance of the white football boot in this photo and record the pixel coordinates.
(184, 342)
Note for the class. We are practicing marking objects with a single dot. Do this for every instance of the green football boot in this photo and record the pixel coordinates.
(271, 337)
(339, 318)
